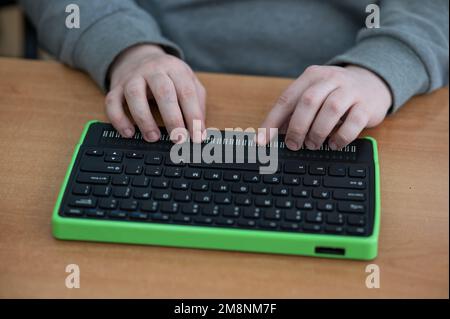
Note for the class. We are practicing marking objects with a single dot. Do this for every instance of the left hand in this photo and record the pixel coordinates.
(315, 103)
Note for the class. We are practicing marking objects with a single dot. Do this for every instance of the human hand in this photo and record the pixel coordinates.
(146, 71)
(314, 104)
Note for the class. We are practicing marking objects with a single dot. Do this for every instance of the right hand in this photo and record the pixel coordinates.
(145, 71)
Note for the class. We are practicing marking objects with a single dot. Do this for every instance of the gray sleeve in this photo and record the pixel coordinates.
(410, 50)
(106, 29)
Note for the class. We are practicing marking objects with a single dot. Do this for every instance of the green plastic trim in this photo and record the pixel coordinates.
(67, 228)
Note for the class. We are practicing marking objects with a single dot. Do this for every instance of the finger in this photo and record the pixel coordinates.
(355, 122)
(201, 93)
(164, 92)
(135, 94)
(190, 104)
(309, 104)
(115, 113)
(284, 107)
(334, 107)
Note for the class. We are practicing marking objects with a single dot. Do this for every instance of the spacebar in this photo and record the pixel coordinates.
(230, 166)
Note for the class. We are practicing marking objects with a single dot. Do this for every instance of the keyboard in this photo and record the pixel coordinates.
(317, 203)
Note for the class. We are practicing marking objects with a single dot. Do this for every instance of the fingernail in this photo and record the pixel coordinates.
(181, 139)
(127, 132)
(151, 136)
(292, 145)
(310, 145)
(261, 138)
(204, 135)
(332, 145)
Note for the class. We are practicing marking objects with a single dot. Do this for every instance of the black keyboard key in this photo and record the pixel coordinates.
(223, 199)
(200, 186)
(317, 169)
(224, 221)
(90, 178)
(311, 181)
(73, 212)
(252, 213)
(162, 195)
(142, 193)
(116, 214)
(251, 177)
(284, 203)
(305, 204)
(268, 224)
(97, 213)
(140, 181)
(120, 180)
(342, 182)
(138, 216)
(113, 159)
(182, 219)
(212, 175)
(108, 203)
(203, 220)
(160, 183)
(84, 202)
(220, 188)
(180, 185)
(325, 206)
(159, 217)
(173, 172)
(169, 162)
(314, 217)
(271, 179)
(280, 191)
(153, 171)
(298, 192)
(135, 155)
(337, 170)
(242, 200)
(356, 220)
(294, 167)
(312, 228)
(129, 204)
(357, 171)
(202, 198)
(231, 211)
(263, 202)
(334, 229)
(191, 209)
(94, 153)
(335, 219)
(247, 223)
(211, 211)
(133, 169)
(231, 176)
(182, 197)
(293, 216)
(291, 180)
(170, 208)
(290, 226)
(359, 231)
(349, 195)
(80, 189)
(350, 207)
(149, 206)
(102, 191)
(100, 167)
(122, 192)
(115, 153)
(260, 189)
(239, 188)
(153, 159)
(273, 214)
(320, 194)
(192, 173)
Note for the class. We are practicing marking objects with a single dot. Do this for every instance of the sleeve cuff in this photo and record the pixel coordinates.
(391, 60)
(102, 42)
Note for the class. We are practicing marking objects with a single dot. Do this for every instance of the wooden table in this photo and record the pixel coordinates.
(43, 107)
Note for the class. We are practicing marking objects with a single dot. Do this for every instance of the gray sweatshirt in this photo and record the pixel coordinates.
(261, 37)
